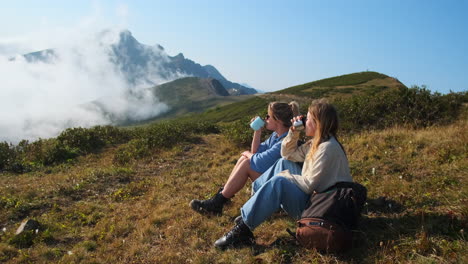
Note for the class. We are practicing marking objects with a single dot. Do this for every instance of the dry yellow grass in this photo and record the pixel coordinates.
(96, 211)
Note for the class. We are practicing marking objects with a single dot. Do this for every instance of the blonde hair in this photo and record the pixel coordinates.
(284, 112)
(326, 124)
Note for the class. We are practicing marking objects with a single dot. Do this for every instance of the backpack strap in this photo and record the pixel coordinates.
(291, 233)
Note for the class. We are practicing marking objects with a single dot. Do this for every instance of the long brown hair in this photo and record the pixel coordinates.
(326, 121)
(284, 112)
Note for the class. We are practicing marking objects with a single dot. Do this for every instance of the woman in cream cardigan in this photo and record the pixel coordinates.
(288, 186)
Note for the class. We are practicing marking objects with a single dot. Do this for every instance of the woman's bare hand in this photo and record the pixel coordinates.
(294, 119)
(247, 154)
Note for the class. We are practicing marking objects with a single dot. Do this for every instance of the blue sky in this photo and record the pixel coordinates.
(272, 45)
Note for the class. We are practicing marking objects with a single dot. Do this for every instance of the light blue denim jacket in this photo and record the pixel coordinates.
(267, 153)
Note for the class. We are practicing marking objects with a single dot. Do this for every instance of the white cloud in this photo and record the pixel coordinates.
(41, 99)
(122, 13)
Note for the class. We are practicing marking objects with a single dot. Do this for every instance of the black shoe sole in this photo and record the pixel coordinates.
(248, 243)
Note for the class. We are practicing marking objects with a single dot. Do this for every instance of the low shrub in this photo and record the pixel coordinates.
(161, 135)
(87, 140)
(71, 143)
(415, 107)
(240, 133)
(134, 149)
(6, 155)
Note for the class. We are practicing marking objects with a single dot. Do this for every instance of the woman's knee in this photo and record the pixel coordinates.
(278, 181)
(245, 163)
(241, 159)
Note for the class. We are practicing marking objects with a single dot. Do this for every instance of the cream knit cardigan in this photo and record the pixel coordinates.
(328, 167)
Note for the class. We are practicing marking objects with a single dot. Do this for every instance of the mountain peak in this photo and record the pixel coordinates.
(127, 38)
(140, 63)
(126, 33)
(160, 47)
(179, 56)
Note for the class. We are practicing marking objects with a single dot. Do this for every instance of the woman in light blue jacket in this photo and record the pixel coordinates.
(253, 163)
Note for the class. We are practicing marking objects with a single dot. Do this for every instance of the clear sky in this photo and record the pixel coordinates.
(272, 45)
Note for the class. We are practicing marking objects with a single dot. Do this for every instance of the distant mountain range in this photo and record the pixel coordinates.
(193, 95)
(181, 96)
(140, 63)
(334, 88)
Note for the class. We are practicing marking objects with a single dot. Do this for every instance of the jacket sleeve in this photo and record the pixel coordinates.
(263, 146)
(261, 161)
(316, 177)
(290, 150)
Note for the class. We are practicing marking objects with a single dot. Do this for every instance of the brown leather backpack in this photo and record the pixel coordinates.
(327, 222)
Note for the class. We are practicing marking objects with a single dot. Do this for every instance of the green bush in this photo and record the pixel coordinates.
(167, 134)
(415, 107)
(74, 142)
(6, 154)
(161, 135)
(87, 140)
(134, 149)
(12, 158)
(240, 133)
(70, 144)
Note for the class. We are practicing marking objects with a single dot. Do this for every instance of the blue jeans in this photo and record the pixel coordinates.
(273, 192)
(279, 166)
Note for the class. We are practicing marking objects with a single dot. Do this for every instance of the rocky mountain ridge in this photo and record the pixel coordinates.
(140, 63)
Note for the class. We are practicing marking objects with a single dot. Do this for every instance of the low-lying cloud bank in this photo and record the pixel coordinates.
(79, 85)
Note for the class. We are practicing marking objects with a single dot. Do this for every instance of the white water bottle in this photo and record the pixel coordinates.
(299, 124)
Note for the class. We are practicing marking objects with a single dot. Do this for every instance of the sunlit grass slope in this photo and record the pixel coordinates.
(120, 195)
(189, 96)
(192, 95)
(101, 209)
(355, 83)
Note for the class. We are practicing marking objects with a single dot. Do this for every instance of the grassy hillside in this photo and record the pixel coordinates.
(193, 95)
(188, 97)
(355, 83)
(365, 85)
(231, 112)
(100, 209)
(113, 195)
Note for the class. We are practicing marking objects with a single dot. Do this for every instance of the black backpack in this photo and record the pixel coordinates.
(327, 221)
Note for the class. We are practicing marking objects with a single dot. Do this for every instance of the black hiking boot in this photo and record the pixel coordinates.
(239, 235)
(238, 219)
(214, 205)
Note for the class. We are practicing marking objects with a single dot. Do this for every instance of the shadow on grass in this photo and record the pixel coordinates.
(383, 205)
(382, 231)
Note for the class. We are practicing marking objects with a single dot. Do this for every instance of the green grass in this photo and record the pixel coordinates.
(232, 112)
(120, 195)
(192, 95)
(327, 87)
(99, 211)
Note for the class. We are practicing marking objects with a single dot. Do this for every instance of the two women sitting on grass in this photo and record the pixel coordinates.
(286, 185)
(253, 163)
